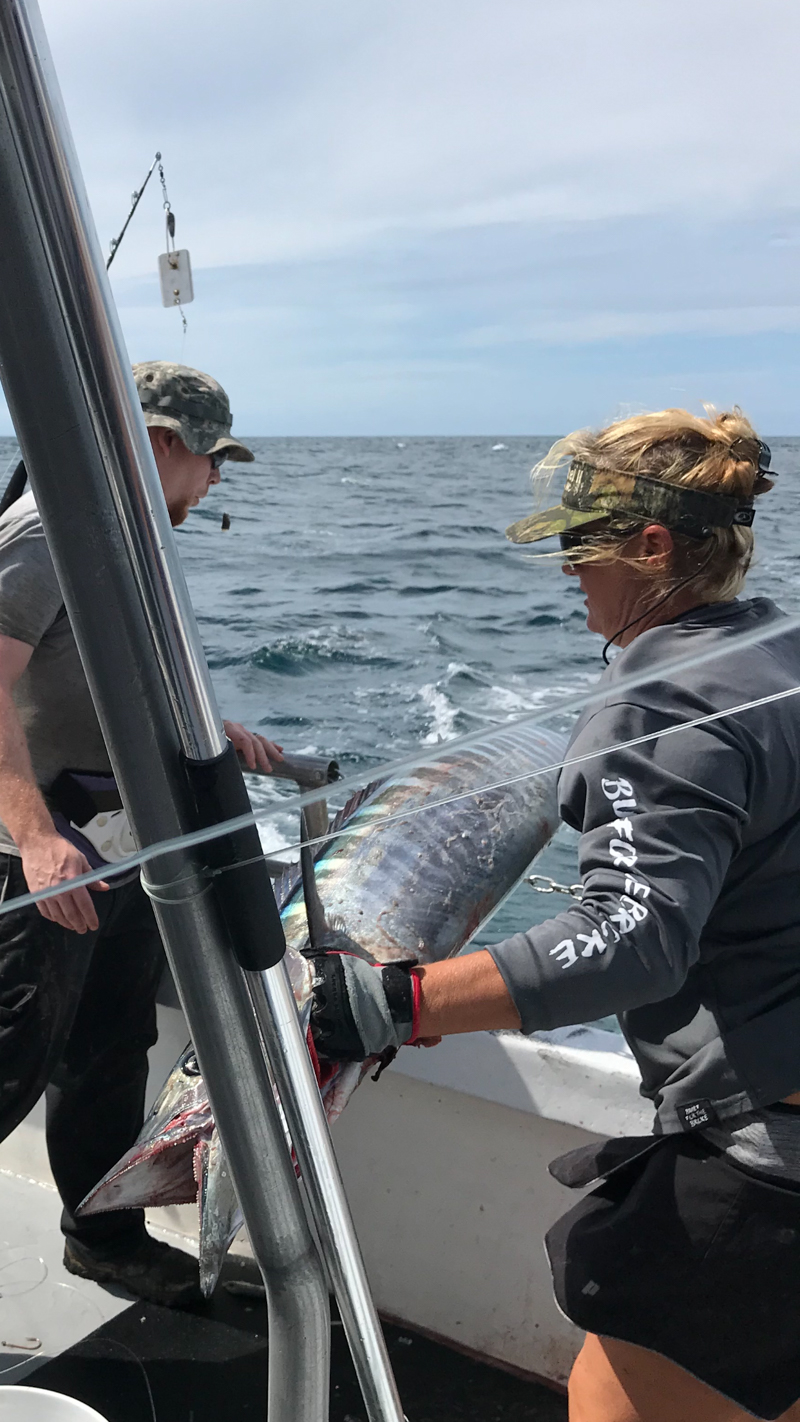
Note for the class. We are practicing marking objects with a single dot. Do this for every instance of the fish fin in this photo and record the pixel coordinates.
(354, 803)
(220, 1216)
(285, 886)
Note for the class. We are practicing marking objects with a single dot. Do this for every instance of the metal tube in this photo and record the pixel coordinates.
(72, 399)
(214, 997)
(273, 1000)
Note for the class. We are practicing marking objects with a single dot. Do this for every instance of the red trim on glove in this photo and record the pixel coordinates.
(323, 1071)
(416, 1006)
(312, 1052)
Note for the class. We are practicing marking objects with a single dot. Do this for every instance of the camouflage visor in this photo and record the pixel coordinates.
(591, 494)
(191, 404)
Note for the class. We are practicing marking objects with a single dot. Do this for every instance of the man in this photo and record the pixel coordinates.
(79, 972)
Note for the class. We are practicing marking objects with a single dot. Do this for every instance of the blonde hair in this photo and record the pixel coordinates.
(718, 454)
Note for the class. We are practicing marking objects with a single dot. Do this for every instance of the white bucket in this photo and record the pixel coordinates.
(33, 1404)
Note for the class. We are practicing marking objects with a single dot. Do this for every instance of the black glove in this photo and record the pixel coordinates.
(360, 1011)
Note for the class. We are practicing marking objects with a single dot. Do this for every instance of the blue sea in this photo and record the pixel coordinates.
(365, 603)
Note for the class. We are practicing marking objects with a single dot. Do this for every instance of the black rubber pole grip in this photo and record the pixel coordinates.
(244, 891)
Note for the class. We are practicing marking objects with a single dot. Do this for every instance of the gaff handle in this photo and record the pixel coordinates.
(244, 890)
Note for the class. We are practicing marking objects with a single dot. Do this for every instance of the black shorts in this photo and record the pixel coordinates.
(681, 1252)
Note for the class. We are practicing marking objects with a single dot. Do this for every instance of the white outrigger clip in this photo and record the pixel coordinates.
(174, 266)
(175, 273)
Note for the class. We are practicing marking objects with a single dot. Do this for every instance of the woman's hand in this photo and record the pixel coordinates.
(360, 1009)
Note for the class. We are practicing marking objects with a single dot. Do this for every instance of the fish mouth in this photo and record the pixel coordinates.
(159, 1167)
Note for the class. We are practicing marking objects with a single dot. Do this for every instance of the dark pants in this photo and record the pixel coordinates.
(77, 1016)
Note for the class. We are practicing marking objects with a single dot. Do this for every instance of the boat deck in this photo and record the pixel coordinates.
(135, 1362)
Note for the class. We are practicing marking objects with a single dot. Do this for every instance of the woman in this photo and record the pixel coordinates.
(683, 1265)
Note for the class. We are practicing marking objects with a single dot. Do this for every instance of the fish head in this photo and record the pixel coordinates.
(159, 1167)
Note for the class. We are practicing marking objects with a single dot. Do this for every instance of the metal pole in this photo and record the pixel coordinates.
(214, 997)
(273, 1000)
(74, 406)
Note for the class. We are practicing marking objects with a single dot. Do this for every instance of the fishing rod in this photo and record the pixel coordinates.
(136, 198)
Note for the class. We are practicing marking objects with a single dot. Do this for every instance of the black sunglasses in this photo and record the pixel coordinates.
(572, 539)
(217, 460)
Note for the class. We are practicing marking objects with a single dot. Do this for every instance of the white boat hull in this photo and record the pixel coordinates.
(445, 1163)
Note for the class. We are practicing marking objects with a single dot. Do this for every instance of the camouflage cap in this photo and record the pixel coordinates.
(192, 404)
(591, 494)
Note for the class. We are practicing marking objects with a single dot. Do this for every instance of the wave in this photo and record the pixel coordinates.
(364, 586)
(298, 656)
(429, 590)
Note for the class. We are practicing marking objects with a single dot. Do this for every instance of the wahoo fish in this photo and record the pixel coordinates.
(422, 863)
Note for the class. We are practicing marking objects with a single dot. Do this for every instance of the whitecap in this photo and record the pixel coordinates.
(276, 831)
(495, 447)
(443, 715)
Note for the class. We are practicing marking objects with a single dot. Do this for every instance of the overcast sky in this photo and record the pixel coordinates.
(453, 216)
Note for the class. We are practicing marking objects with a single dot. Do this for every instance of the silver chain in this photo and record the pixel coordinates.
(541, 884)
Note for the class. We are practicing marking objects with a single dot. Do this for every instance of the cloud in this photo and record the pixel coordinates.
(293, 131)
(425, 216)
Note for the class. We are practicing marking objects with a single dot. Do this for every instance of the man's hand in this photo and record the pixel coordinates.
(257, 751)
(48, 860)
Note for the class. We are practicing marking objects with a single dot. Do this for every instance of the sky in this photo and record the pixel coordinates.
(453, 216)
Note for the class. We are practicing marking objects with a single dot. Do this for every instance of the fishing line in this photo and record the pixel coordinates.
(516, 779)
(170, 224)
(196, 837)
(117, 1343)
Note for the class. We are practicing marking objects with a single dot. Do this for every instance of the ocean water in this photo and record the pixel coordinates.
(364, 603)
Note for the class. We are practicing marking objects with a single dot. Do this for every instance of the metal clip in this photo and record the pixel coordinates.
(542, 884)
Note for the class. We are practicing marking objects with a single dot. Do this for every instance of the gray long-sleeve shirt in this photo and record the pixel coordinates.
(689, 928)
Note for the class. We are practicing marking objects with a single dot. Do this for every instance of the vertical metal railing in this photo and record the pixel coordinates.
(273, 1000)
(70, 391)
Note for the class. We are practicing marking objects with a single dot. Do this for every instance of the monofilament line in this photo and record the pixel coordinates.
(188, 841)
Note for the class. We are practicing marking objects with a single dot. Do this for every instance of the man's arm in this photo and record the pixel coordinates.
(47, 858)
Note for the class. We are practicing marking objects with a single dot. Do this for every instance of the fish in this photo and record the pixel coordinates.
(408, 871)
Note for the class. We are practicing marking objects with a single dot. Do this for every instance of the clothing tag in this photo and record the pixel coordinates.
(694, 1115)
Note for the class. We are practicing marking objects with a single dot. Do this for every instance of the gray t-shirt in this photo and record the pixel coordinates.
(52, 696)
